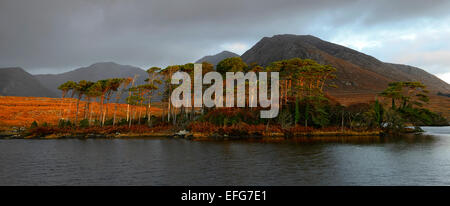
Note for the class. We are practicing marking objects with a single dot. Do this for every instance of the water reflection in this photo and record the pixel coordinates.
(410, 160)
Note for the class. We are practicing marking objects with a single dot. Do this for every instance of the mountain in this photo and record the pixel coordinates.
(417, 74)
(215, 59)
(15, 81)
(357, 72)
(94, 72)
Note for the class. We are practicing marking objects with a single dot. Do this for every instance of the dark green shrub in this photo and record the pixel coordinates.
(69, 123)
(109, 122)
(422, 117)
(84, 123)
(393, 122)
(33, 125)
(122, 122)
(61, 123)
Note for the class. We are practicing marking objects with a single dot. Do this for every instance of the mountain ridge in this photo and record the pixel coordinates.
(356, 70)
(15, 81)
(94, 72)
(216, 58)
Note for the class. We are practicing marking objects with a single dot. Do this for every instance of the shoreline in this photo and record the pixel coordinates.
(262, 136)
(197, 136)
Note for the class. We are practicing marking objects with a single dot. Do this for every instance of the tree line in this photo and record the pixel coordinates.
(103, 91)
(303, 100)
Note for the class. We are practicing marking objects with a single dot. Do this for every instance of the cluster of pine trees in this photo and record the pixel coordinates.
(302, 98)
(107, 91)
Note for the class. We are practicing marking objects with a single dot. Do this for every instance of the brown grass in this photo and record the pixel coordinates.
(22, 111)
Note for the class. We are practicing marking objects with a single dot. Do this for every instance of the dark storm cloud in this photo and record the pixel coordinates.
(55, 35)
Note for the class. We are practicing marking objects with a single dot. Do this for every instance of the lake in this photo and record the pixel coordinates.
(413, 160)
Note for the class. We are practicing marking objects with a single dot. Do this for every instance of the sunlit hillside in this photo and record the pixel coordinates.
(22, 111)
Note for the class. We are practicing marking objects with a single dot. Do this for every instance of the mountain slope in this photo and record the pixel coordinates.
(417, 74)
(215, 59)
(357, 72)
(93, 72)
(15, 81)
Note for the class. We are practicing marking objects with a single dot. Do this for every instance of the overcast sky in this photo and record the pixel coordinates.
(53, 36)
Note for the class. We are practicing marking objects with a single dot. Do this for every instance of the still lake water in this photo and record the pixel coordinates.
(423, 160)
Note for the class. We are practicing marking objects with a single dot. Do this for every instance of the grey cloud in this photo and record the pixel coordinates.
(59, 34)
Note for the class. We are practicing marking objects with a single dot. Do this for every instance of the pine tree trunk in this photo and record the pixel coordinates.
(106, 111)
(168, 111)
(91, 110)
(129, 120)
(86, 108)
(101, 110)
(128, 112)
(140, 112)
(149, 113)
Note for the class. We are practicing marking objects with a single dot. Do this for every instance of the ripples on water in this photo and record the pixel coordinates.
(415, 160)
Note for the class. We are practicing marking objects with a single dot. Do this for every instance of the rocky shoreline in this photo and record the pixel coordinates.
(192, 136)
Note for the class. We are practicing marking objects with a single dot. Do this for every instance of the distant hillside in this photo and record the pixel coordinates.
(357, 72)
(215, 59)
(94, 72)
(417, 74)
(17, 82)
